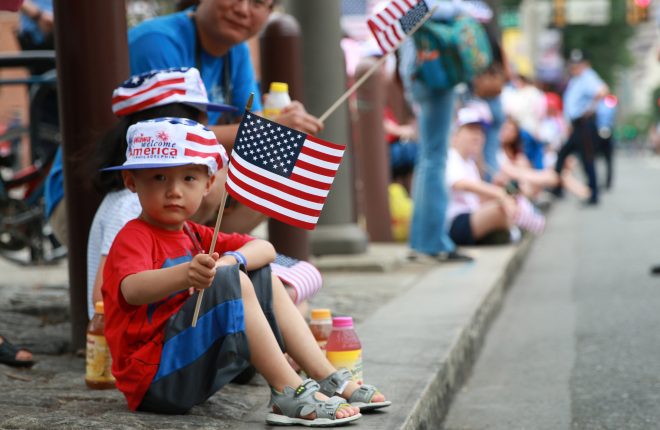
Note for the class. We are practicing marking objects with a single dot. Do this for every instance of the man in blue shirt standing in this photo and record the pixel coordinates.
(605, 117)
(583, 94)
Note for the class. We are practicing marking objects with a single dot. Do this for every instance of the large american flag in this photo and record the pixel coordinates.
(282, 172)
(391, 25)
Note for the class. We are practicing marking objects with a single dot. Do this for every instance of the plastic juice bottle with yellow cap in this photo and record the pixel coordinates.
(278, 98)
(98, 373)
(344, 348)
(321, 326)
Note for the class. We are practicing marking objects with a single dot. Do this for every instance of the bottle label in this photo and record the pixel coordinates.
(99, 362)
(351, 360)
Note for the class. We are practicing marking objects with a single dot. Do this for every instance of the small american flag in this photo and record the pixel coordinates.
(282, 172)
(303, 277)
(391, 25)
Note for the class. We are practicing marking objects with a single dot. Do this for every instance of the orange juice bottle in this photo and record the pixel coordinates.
(97, 371)
(344, 348)
(321, 326)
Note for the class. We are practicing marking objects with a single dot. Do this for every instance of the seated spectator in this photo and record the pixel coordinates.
(476, 207)
(402, 139)
(516, 166)
(155, 263)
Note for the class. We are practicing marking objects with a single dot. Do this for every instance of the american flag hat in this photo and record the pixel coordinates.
(161, 87)
(171, 142)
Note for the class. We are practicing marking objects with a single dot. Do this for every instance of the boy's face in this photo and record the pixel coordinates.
(169, 196)
(470, 138)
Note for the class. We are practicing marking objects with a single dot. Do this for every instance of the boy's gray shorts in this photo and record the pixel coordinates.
(197, 362)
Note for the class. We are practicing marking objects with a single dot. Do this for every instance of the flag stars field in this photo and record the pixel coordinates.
(282, 172)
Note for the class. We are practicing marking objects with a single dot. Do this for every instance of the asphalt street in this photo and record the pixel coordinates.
(577, 342)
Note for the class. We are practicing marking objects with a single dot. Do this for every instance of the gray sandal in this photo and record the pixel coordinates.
(360, 398)
(293, 404)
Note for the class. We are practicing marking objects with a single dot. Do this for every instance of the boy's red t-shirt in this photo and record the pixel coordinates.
(135, 333)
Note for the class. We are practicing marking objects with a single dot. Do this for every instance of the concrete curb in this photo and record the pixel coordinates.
(434, 403)
(421, 367)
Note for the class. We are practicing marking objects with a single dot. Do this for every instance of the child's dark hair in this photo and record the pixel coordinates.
(111, 149)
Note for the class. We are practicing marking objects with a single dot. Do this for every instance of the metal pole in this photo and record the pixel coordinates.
(92, 59)
(281, 61)
(325, 79)
(371, 152)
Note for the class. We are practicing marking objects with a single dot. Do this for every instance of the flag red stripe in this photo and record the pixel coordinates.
(314, 168)
(396, 5)
(387, 38)
(390, 13)
(411, 5)
(269, 212)
(310, 182)
(397, 32)
(193, 153)
(375, 30)
(277, 185)
(277, 200)
(320, 155)
(326, 143)
(147, 102)
(199, 139)
(181, 80)
(385, 22)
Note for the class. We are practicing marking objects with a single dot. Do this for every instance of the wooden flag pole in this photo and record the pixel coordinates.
(373, 68)
(353, 88)
(218, 220)
(216, 231)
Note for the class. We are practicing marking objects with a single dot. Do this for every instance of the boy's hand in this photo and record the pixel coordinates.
(201, 271)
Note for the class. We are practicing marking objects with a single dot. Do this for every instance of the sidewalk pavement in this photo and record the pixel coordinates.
(421, 327)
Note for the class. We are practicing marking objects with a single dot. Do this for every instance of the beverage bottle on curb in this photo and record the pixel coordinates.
(278, 98)
(99, 362)
(344, 348)
(321, 326)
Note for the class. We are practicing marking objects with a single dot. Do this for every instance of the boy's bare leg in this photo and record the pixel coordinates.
(265, 353)
(300, 342)
(489, 217)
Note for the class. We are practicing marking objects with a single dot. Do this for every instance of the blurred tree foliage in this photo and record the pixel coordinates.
(605, 45)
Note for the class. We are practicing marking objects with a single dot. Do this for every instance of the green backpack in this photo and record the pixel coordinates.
(449, 53)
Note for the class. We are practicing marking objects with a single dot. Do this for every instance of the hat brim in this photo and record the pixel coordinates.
(215, 107)
(146, 166)
(482, 124)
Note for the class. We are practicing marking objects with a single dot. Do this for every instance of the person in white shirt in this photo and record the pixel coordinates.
(476, 207)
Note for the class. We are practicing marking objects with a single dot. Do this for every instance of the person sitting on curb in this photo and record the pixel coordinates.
(160, 362)
(518, 167)
(14, 356)
(476, 207)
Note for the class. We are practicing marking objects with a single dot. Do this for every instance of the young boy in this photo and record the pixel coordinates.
(476, 207)
(160, 362)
